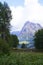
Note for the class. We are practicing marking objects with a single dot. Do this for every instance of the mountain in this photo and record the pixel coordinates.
(26, 35)
(15, 33)
(28, 31)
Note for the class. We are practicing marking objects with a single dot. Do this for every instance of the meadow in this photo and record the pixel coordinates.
(22, 58)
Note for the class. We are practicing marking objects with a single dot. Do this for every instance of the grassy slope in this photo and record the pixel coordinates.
(22, 58)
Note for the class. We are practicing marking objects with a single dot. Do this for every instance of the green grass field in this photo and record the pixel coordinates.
(22, 58)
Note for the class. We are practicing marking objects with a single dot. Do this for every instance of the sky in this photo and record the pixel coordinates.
(25, 10)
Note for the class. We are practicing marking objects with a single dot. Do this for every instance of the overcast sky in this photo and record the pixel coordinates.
(25, 10)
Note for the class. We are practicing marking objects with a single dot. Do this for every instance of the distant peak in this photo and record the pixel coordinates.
(28, 22)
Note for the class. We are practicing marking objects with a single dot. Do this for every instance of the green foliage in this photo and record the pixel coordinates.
(39, 39)
(15, 41)
(4, 47)
(22, 58)
(5, 17)
(23, 46)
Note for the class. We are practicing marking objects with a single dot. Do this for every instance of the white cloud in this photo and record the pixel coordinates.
(34, 10)
(17, 14)
(31, 11)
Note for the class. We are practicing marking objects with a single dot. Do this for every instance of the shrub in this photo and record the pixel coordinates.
(4, 47)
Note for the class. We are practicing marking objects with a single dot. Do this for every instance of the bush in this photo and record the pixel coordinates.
(4, 47)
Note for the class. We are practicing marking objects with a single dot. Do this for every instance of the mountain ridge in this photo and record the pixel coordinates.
(18, 32)
(28, 30)
(27, 33)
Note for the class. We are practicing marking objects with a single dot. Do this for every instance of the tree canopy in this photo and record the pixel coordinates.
(5, 17)
(38, 40)
(15, 41)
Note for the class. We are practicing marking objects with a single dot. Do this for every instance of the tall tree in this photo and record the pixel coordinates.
(5, 17)
(39, 39)
(15, 41)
